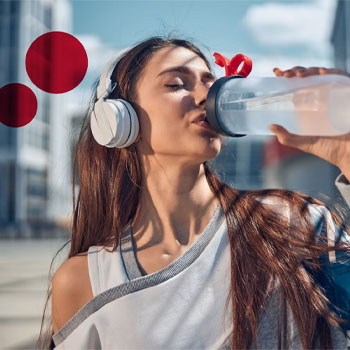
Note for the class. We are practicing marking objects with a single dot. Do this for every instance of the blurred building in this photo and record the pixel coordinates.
(340, 38)
(34, 161)
(288, 168)
(240, 162)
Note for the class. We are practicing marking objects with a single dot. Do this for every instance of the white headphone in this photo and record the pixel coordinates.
(113, 122)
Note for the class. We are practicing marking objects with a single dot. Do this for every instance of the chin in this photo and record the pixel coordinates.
(211, 149)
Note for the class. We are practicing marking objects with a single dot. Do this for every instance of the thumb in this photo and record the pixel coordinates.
(283, 136)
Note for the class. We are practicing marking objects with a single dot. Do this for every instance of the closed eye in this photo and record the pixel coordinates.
(175, 86)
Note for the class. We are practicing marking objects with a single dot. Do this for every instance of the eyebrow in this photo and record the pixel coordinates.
(185, 70)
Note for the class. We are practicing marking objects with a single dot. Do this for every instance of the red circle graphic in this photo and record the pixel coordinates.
(56, 62)
(18, 105)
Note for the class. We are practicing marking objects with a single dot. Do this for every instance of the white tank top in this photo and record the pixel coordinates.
(182, 306)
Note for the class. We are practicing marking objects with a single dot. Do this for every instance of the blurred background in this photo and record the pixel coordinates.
(36, 160)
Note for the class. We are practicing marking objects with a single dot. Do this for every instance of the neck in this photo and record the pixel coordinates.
(175, 206)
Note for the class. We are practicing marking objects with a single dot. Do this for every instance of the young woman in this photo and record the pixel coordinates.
(163, 254)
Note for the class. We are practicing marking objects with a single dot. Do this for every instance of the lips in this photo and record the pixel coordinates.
(202, 121)
(200, 118)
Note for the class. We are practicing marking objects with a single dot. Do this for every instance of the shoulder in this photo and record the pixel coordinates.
(71, 289)
(72, 272)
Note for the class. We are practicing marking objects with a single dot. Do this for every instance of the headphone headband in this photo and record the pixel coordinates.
(105, 86)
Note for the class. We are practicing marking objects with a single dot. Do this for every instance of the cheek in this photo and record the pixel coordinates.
(164, 116)
(173, 105)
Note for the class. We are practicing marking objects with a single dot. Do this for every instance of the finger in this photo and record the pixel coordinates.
(297, 69)
(310, 71)
(292, 140)
(276, 128)
(300, 71)
(333, 71)
(280, 132)
(289, 73)
(278, 72)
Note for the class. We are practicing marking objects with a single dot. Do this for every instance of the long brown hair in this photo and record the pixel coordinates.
(265, 246)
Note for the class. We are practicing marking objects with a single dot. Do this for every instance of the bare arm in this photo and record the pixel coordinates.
(71, 289)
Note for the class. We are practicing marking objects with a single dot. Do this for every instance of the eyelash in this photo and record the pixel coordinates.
(175, 86)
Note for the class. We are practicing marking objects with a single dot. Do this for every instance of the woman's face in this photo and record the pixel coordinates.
(171, 94)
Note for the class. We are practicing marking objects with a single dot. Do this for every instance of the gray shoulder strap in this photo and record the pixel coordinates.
(128, 253)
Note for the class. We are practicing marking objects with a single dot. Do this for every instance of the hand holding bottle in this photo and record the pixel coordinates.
(334, 149)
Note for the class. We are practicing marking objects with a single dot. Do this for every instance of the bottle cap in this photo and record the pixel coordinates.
(231, 67)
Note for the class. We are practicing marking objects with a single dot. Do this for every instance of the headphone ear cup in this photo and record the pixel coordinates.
(103, 122)
(114, 123)
(134, 123)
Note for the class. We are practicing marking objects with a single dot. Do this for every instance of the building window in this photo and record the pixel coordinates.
(47, 16)
(14, 7)
(4, 25)
(14, 23)
(46, 108)
(11, 193)
(4, 135)
(3, 8)
(13, 66)
(36, 192)
(76, 125)
(7, 136)
(36, 10)
(46, 139)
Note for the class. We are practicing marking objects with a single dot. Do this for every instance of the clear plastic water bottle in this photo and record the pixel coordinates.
(315, 105)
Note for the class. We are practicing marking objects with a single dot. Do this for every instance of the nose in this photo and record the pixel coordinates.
(201, 93)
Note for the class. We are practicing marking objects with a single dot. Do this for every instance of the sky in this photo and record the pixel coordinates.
(272, 33)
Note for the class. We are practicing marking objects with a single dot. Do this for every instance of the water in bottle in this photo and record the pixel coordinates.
(315, 105)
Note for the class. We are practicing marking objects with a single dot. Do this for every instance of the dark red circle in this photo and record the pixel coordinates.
(18, 105)
(56, 62)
